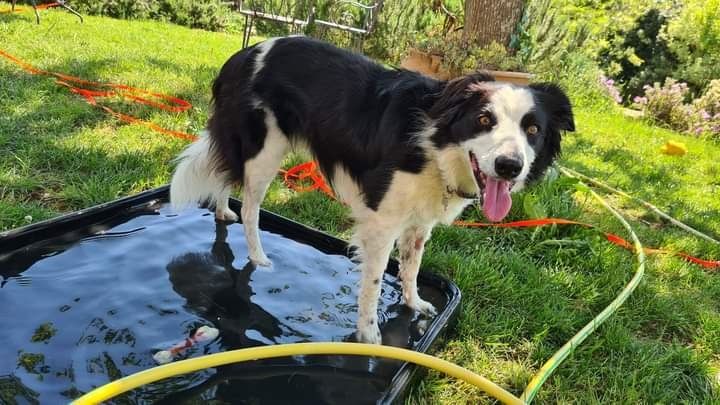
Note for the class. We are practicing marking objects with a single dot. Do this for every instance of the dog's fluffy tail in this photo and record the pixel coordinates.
(196, 178)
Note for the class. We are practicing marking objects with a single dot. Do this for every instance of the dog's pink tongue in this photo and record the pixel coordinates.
(497, 201)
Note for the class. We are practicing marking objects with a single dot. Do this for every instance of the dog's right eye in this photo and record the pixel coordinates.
(484, 120)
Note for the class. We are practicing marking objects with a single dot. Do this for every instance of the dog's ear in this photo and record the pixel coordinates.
(553, 101)
(556, 103)
(455, 94)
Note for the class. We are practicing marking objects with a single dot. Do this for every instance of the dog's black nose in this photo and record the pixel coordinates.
(508, 167)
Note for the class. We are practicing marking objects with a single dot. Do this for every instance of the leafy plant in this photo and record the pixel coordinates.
(640, 55)
(665, 104)
(402, 24)
(460, 57)
(706, 117)
(544, 36)
(612, 91)
(695, 39)
(210, 15)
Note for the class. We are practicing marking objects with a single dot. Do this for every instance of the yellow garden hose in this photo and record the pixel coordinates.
(549, 367)
(117, 387)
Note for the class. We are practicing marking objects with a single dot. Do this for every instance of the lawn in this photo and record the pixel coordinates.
(526, 292)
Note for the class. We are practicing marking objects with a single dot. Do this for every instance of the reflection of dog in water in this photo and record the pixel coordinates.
(220, 293)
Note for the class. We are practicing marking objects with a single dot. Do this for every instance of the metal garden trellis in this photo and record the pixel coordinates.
(342, 21)
(61, 3)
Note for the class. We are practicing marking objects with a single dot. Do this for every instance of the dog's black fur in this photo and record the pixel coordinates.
(354, 112)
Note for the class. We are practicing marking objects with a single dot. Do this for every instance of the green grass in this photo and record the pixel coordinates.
(526, 292)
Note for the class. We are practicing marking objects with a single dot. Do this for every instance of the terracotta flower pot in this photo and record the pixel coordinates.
(431, 65)
(512, 77)
(424, 63)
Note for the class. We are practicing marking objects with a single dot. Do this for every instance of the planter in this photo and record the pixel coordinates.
(425, 63)
(431, 65)
(512, 77)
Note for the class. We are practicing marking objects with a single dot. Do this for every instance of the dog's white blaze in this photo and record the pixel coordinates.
(259, 61)
(509, 104)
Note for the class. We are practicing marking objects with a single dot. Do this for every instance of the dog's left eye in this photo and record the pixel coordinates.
(532, 130)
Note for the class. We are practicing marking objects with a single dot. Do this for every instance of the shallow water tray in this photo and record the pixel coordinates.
(89, 297)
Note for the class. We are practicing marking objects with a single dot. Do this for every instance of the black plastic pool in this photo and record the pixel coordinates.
(88, 298)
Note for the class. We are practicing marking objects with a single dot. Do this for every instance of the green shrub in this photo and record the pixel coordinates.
(545, 36)
(664, 105)
(205, 14)
(640, 55)
(403, 24)
(706, 117)
(459, 57)
(695, 38)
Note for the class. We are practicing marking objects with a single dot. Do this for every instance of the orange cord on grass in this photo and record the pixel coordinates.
(90, 91)
(21, 9)
(309, 170)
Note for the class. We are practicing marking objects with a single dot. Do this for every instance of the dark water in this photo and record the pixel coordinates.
(78, 312)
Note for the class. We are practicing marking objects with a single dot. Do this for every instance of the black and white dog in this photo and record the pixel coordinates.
(404, 151)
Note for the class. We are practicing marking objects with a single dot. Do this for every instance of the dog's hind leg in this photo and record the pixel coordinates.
(374, 241)
(222, 206)
(411, 246)
(259, 172)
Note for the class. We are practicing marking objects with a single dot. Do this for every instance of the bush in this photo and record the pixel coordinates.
(695, 39)
(544, 36)
(460, 58)
(611, 89)
(406, 23)
(640, 55)
(664, 105)
(682, 43)
(204, 14)
(706, 117)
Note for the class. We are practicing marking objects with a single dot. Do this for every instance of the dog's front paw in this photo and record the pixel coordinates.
(422, 306)
(369, 333)
(260, 260)
(226, 215)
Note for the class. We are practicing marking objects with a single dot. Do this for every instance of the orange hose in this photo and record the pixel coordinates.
(90, 91)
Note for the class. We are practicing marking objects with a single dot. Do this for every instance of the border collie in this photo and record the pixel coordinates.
(404, 151)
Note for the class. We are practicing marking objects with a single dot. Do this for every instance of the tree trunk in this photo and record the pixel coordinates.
(488, 21)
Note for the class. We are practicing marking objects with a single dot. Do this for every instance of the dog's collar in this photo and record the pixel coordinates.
(460, 193)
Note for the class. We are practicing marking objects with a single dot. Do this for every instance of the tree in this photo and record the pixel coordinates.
(488, 21)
